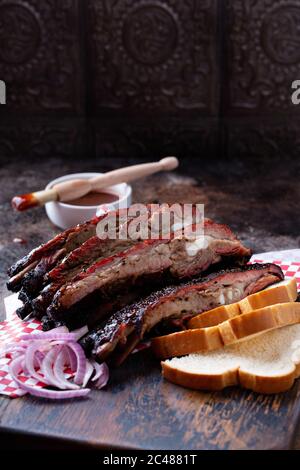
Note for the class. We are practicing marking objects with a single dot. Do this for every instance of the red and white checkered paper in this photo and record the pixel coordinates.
(14, 327)
(9, 332)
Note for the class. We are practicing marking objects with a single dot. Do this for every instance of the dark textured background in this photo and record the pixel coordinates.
(145, 78)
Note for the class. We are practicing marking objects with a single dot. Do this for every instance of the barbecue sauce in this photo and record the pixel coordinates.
(24, 202)
(94, 199)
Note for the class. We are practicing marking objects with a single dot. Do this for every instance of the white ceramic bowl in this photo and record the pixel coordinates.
(66, 215)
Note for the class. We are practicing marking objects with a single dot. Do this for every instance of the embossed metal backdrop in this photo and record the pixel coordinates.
(148, 77)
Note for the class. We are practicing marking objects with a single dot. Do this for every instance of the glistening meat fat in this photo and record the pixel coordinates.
(128, 326)
(175, 258)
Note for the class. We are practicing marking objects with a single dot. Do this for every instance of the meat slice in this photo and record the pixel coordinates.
(54, 249)
(174, 258)
(40, 284)
(128, 326)
(30, 274)
(93, 250)
(71, 237)
(15, 282)
(62, 243)
(93, 313)
(33, 280)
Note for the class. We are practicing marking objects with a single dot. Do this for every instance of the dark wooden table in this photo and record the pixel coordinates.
(139, 409)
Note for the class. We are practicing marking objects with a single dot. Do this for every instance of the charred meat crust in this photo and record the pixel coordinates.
(78, 261)
(80, 248)
(33, 280)
(47, 249)
(162, 256)
(94, 250)
(38, 281)
(132, 320)
(99, 305)
(70, 239)
(95, 310)
(56, 276)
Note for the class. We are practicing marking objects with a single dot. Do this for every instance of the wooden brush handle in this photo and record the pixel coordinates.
(134, 172)
(73, 189)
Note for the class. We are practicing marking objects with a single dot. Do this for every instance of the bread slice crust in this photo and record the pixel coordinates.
(282, 292)
(278, 381)
(215, 382)
(228, 332)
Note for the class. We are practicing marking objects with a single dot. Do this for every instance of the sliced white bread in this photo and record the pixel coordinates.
(285, 291)
(228, 332)
(266, 363)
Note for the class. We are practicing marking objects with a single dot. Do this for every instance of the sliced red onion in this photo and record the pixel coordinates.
(38, 358)
(81, 362)
(29, 361)
(58, 372)
(80, 332)
(60, 329)
(102, 376)
(24, 367)
(88, 373)
(44, 356)
(64, 355)
(47, 367)
(13, 355)
(72, 359)
(48, 336)
(98, 370)
(15, 368)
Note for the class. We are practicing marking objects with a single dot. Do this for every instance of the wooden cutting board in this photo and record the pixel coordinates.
(140, 410)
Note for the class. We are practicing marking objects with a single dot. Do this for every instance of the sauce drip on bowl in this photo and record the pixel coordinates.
(94, 199)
